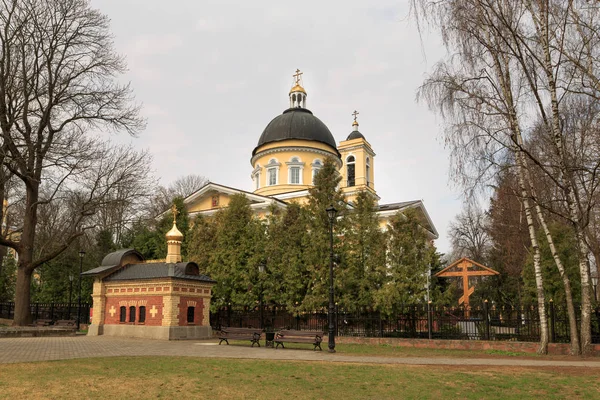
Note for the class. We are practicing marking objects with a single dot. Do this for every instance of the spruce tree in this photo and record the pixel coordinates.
(238, 252)
(324, 193)
(364, 251)
(287, 278)
(410, 255)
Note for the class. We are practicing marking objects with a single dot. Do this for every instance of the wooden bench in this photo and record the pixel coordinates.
(42, 322)
(291, 336)
(251, 334)
(70, 323)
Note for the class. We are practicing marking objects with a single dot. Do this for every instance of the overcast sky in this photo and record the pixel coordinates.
(212, 74)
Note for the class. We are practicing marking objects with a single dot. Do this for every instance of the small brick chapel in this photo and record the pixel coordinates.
(167, 299)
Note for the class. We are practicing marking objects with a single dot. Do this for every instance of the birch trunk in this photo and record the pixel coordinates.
(568, 187)
(575, 348)
(544, 337)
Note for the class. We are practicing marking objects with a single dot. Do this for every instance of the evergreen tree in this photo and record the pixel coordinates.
(202, 242)
(150, 240)
(410, 256)
(364, 255)
(287, 278)
(565, 242)
(324, 193)
(8, 276)
(238, 252)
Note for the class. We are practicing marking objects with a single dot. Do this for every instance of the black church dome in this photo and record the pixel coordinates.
(355, 135)
(296, 123)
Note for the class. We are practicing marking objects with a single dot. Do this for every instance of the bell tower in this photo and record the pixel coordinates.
(358, 162)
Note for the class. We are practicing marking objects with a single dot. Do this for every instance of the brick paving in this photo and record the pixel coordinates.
(17, 350)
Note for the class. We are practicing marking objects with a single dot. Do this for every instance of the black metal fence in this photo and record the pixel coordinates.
(487, 322)
(53, 311)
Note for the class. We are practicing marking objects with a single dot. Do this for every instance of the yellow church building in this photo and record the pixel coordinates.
(289, 152)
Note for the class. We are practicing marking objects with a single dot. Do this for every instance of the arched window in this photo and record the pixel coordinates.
(295, 168)
(123, 314)
(142, 317)
(316, 166)
(350, 171)
(368, 171)
(132, 314)
(190, 314)
(272, 172)
(256, 176)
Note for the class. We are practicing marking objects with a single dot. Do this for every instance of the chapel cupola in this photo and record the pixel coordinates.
(174, 239)
(297, 93)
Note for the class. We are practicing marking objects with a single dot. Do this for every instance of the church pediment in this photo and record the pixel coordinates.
(212, 197)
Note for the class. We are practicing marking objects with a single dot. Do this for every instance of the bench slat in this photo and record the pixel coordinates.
(251, 334)
(293, 336)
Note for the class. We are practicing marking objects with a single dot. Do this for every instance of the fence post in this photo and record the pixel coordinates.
(37, 306)
(52, 311)
(380, 324)
(429, 320)
(552, 322)
(486, 315)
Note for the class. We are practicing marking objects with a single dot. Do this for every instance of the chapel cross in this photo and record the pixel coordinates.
(465, 268)
(112, 311)
(153, 311)
(297, 76)
(355, 113)
(175, 212)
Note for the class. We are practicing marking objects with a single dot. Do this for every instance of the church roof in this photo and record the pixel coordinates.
(183, 270)
(355, 135)
(113, 261)
(296, 123)
(392, 208)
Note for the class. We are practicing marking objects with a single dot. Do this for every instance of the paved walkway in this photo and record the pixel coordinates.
(15, 350)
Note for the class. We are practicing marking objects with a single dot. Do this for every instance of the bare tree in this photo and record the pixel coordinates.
(58, 80)
(468, 233)
(181, 187)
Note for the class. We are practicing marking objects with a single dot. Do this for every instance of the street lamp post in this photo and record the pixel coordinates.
(81, 255)
(331, 213)
(71, 277)
(261, 271)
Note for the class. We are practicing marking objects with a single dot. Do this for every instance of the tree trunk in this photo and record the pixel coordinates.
(22, 297)
(569, 188)
(575, 348)
(25, 251)
(544, 337)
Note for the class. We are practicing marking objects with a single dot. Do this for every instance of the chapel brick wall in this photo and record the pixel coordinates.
(153, 304)
(197, 303)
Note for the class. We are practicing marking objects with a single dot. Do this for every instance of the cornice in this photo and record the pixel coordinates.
(293, 149)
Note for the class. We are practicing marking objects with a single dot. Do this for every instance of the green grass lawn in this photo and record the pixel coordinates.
(386, 350)
(185, 377)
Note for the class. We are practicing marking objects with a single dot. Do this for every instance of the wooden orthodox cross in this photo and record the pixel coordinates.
(465, 268)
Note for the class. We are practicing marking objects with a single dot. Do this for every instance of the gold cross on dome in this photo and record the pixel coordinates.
(175, 212)
(297, 76)
(355, 113)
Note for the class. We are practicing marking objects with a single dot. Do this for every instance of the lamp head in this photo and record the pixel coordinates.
(595, 280)
(81, 253)
(331, 212)
(261, 268)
